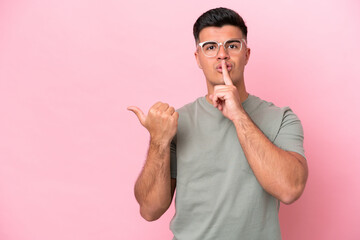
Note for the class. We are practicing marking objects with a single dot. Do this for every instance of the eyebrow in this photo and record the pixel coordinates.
(210, 41)
(232, 40)
(229, 41)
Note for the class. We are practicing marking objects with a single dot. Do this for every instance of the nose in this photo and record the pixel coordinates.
(222, 54)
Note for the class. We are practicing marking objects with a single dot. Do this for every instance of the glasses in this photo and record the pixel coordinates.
(231, 46)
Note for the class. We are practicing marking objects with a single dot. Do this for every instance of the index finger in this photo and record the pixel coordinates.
(225, 73)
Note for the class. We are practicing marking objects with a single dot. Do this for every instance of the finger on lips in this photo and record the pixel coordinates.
(225, 73)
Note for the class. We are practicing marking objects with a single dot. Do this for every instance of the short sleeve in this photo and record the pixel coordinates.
(290, 136)
(173, 164)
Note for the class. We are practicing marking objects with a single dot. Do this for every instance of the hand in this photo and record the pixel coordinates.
(161, 121)
(226, 97)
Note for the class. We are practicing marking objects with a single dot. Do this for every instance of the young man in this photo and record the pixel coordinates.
(231, 156)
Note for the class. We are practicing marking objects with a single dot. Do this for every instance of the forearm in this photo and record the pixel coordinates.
(153, 187)
(279, 172)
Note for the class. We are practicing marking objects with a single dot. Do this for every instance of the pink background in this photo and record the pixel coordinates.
(70, 152)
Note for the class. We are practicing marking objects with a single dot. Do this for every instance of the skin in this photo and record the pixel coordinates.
(154, 188)
(282, 174)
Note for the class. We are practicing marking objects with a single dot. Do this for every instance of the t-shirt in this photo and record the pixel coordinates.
(217, 195)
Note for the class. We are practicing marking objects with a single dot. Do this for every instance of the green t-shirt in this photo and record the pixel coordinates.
(217, 195)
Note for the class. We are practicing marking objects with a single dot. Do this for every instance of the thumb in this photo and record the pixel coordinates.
(140, 115)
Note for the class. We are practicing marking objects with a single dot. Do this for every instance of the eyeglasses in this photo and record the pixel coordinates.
(231, 46)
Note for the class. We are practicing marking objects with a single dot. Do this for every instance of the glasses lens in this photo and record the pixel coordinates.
(210, 49)
(233, 46)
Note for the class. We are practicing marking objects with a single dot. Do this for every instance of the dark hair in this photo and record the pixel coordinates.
(219, 17)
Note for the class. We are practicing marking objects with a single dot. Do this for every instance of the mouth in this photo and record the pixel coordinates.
(228, 67)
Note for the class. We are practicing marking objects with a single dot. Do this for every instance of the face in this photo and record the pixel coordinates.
(211, 66)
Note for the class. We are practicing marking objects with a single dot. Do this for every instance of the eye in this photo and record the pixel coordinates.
(210, 46)
(233, 46)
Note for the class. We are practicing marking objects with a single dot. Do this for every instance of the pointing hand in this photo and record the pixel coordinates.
(226, 97)
(161, 121)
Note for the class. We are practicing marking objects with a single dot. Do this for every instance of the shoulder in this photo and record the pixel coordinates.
(189, 111)
(269, 117)
(187, 114)
(255, 105)
(189, 107)
(262, 111)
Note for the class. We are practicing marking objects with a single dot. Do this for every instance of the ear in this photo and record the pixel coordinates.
(197, 59)
(247, 55)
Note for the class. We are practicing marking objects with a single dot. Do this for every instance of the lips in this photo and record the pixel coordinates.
(228, 66)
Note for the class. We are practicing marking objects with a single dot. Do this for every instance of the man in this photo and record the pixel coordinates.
(231, 156)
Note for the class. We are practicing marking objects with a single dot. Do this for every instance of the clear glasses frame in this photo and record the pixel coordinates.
(219, 45)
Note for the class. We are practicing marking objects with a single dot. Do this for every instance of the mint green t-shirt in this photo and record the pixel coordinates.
(217, 195)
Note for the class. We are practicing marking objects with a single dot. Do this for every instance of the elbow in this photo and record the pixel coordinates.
(154, 209)
(289, 199)
(149, 217)
(291, 195)
(151, 214)
(293, 190)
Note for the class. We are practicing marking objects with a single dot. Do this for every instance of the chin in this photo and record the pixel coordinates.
(221, 82)
(217, 82)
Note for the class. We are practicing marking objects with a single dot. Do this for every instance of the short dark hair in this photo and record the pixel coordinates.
(219, 17)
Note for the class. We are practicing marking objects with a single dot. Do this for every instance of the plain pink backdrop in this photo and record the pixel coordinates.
(70, 152)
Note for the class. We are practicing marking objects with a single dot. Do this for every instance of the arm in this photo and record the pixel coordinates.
(154, 188)
(282, 174)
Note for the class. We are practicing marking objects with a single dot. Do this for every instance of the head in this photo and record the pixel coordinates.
(219, 17)
(220, 25)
